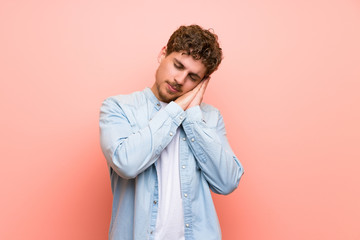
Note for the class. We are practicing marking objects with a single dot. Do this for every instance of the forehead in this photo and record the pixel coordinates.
(189, 63)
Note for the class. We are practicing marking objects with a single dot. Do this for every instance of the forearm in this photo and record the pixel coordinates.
(212, 151)
(130, 151)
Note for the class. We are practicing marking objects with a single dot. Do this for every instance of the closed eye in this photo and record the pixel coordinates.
(178, 66)
(193, 77)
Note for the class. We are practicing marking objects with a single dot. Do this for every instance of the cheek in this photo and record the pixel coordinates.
(189, 85)
(161, 75)
(165, 72)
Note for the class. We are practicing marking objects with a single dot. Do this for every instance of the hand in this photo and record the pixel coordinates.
(200, 94)
(184, 100)
(193, 97)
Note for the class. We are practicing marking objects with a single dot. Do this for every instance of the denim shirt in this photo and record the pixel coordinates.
(134, 129)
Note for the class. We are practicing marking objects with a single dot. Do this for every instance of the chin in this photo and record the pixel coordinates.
(166, 98)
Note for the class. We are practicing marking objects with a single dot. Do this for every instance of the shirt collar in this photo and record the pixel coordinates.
(150, 95)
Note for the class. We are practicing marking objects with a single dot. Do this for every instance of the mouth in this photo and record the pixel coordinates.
(173, 89)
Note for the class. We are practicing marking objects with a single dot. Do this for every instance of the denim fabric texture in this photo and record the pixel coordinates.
(134, 129)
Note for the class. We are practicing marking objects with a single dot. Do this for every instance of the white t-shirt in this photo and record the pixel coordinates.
(170, 218)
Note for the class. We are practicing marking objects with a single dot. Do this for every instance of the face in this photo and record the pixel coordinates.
(177, 74)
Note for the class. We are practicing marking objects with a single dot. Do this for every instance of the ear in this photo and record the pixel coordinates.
(162, 54)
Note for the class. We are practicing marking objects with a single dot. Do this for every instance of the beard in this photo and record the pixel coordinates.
(166, 95)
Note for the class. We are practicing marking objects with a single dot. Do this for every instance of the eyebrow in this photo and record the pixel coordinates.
(182, 66)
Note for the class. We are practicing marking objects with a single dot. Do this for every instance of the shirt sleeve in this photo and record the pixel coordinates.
(127, 151)
(212, 151)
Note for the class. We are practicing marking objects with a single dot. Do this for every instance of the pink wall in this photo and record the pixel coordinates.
(288, 89)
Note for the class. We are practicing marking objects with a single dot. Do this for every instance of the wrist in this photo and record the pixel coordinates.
(181, 104)
(194, 114)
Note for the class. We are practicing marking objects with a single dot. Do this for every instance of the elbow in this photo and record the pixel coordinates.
(235, 179)
(224, 189)
(125, 171)
(230, 184)
(239, 174)
(126, 174)
(121, 165)
(117, 158)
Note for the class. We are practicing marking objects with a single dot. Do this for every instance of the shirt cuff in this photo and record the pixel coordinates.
(175, 112)
(194, 114)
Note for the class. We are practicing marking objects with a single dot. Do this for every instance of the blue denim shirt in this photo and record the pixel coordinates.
(134, 129)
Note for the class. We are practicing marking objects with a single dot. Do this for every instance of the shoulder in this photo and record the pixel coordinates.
(209, 109)
(124, 106)
(211, 114)
(134, 98)
(128, 101)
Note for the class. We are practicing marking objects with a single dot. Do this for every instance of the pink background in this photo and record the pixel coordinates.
(288, 89)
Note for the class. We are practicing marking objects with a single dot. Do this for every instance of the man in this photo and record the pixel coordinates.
(165, 149)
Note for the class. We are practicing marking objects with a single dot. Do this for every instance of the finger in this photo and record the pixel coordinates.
(195, 91)
(192, 93)
(201, 92)
(199, 86)
(203, 87)
(206, 83)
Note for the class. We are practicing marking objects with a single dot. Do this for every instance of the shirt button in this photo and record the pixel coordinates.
(187, 225)
(171, 134)
(181, 117)
(158, 104)
(155, 202)
(184, 139)
(192, 139)
(185, 195)
(183, 167)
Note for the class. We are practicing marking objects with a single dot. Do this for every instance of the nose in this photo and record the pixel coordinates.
(180, 77)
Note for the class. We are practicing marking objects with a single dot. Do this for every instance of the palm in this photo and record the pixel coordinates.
(193, 97)
(199, 95)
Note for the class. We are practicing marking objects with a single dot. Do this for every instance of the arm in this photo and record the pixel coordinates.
(209, 145)
(131, 152)
(212, 151)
